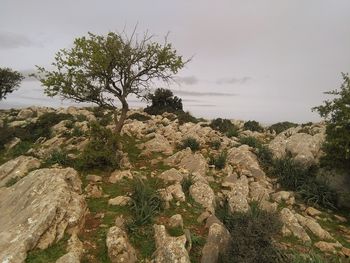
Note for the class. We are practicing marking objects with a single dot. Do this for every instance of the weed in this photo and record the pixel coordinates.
(215, 144)
(58, 157)
(12, 181)
(190, 142)
(218, 161)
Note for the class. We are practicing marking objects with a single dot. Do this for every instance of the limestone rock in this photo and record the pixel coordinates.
(327, 247)
(75, 251)
(38, 210)
(292, 226)
(94, 178)
(238, 196)
(118, 175)
(218, 242)
(120, 200)
(203, 194)
(93, 190)
(312, 211)
(159, 144)
(169, 249)
(17, 168)
(119, 247)
(176, 221)
(171, 175)
(25, 114)
(314, 227)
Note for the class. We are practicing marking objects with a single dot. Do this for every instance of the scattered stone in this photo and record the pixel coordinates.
(341, 218)
(169, 249)
(346, 251)
(203, 216)
(176, 221)
(48, 203)
(218, 243)
(120, 200)
(312, 211)
(75, 251)
(25, 114)
(292, 226)
(118, 175)
(93, 190)
(204, 195)
(15, 141)
(237, 197)
(119, 247)
(159, 144)
(314, 227)
(171, 175)
(328, 247)
(94, 178)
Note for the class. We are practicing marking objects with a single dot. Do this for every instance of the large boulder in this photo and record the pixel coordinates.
(291, 226)
(38, 210)
(75, 251)
(169, 249)
(159, 144)
(17, 168)
(238, 196)
(202, 193)
(119, 247)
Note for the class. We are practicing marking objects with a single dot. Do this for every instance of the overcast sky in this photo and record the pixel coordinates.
(268, 60)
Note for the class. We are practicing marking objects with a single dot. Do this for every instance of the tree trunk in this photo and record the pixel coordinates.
(119, 123)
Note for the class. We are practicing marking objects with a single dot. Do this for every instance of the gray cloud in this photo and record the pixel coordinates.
(189, 80)
(10, 40)
(197, 93)
(233, 80)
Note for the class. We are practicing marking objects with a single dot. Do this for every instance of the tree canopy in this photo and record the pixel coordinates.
(9, 81)
(105, 70)
(337, 116)
(163, 100)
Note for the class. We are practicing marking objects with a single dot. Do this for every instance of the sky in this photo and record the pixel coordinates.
(267, 60)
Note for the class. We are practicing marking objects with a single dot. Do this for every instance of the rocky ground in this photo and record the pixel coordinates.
(54, 213)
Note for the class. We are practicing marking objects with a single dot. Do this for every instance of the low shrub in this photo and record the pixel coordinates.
(185, 117)
(139, 117)
(307, 258)
(295, 177)
(12, 181)
(58, 157)
(186, 184)
(215, 144)
(282, 126)
(218, 161)
(190, 142)
(264, 155)
(222, 125)
(146, 202)
(253, 126)
(101, 151)
(252, 235)
(163, 100)
(250, 141)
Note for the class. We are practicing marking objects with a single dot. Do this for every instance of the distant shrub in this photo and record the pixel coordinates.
(146, 202)
(253, 126)
(185, 117)
(81, 118)
(58, 157)
(163, 100)
(264, 155)
(139, 117)
(190, 142)
(101, 151)
(282, 126)
(77, 132)
(293, 176)
(225, 126)
(250, 141)
(252, 235)
(186, 184)
(218, 161)
(215, 144)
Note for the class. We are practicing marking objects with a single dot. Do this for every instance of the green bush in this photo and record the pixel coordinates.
(186, 184)
(293, 176)
(185, 117)
(253, 126)
(58, 157)
(225, 126)
(100, 152)
(250, 141)
(232, 133)
(218, 161)
(337, 115)
(215, 144)
(282, 126)
(163, 100)
(252, 235)
(190, 142)
(146, 202)
(139, 117)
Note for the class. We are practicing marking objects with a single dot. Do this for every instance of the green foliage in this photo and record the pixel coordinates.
(190, 142)
(139, 117)
(218, 161)
(186, 184)
(146, 202)
(337, 115)
(163, 100)
(250, 141)
(12, 181)
(263, 153)
(215, 144)
(59, 157)
(253, 126)
(252, 235)
(9, 81)
(49, 255)
(225, 126)
(106, 69)
(185, 117)
(100, 152)
(293, 176)
(282, 126)
(308, 258)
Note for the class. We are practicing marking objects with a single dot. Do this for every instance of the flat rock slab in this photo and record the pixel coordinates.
(38, 210)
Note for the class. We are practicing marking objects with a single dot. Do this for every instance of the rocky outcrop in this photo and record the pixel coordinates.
(75, 251)
(119, 247)
(169, 249)
(291, 226)
(17, 168)
(237, 197)
(159, 144)
(38, 210)
(202, 193)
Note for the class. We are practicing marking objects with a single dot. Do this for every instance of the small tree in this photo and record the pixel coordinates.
(9, 81)
(163, 100)
(106, 69)
(337, 115)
